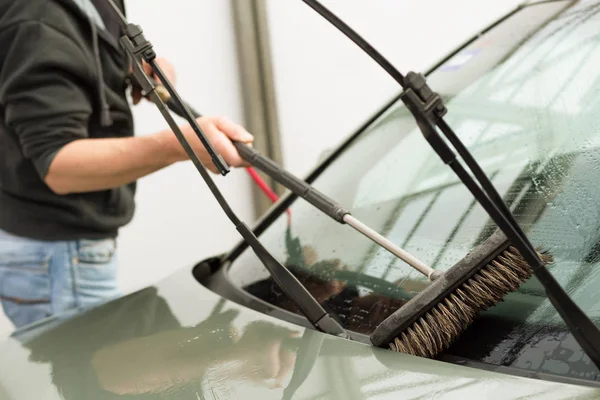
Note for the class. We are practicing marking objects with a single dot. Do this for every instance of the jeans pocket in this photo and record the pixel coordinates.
(96, 271)
(100, 251)
(25, 284)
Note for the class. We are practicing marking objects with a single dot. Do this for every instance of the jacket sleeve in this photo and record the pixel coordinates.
(42, 91)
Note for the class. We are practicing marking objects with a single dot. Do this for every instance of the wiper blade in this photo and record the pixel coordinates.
(428, 110)
(138, 48)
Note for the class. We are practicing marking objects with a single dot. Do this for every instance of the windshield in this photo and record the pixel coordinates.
(525, 99)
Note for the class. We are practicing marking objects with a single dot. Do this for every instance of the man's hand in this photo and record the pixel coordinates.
(220, 132)
(165, 66)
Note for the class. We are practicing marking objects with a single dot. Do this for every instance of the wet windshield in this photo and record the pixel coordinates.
(528, 109)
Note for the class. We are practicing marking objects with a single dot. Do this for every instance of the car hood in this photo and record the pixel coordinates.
(178, 340)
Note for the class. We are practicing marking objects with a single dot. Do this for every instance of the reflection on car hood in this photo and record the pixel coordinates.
(178, 340)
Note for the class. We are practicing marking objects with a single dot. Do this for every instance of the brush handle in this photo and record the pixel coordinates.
(302, 189)
(330, 207)
(296, 185)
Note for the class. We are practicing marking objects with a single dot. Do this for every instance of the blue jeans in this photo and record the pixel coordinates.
(39, 279)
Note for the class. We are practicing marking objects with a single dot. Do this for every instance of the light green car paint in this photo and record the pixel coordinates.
(161, 343)
(180, 340)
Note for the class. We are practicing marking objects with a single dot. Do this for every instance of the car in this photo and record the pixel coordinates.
(524, 96)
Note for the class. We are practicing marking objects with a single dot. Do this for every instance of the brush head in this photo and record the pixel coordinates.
(431, 321)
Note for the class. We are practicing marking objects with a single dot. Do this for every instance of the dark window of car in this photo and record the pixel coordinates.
(525, 99)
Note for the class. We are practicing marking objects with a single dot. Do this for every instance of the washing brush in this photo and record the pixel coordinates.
(432, 320)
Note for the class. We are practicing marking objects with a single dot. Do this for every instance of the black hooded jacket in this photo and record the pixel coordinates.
(62, 78)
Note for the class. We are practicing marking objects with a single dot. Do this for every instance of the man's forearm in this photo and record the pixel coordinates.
(97, 164)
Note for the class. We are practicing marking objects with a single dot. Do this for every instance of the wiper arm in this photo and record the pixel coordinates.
(138, 48)
(428, 110)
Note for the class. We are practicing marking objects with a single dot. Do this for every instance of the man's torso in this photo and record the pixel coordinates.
(67, 57)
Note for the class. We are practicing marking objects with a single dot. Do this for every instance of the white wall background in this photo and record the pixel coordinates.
(325, 85)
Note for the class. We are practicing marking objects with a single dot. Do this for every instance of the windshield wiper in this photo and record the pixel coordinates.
(138, 48)
(428, 110)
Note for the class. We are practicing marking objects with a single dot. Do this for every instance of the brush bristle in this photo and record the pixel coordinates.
(436, 330)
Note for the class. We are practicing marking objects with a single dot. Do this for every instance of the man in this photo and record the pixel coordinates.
(68, 157)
